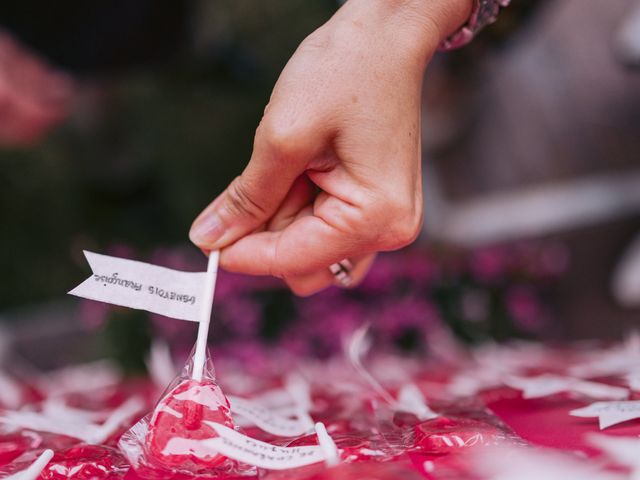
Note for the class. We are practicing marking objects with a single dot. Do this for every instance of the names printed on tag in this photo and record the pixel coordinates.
(113, 279)
(269, 421)
(261, 454)
(169, 295)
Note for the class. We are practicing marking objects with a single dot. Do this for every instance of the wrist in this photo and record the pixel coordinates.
(413, 27)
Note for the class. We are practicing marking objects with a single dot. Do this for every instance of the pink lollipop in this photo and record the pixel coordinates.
(444, 435)
(13, 445)
(86, 462)
(178, 425)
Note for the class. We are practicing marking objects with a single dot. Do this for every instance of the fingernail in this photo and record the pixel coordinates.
(206, 231)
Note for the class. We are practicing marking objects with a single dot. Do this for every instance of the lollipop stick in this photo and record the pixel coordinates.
(35, 469)
(328, 446)
(199, 357)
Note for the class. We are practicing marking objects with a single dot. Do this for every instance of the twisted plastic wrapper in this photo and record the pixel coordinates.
(168, 442)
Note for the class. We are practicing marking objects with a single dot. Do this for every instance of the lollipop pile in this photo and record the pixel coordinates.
(499, 412)
(533, 412)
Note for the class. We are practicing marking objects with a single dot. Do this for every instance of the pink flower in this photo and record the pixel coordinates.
(121, 250)
(93, 315)
(399, 316)
(419, 267)
(475, 305)
(525, 308)
(170, 328)
(184, 258)
(241, 315)
(489, 264)
(251, 354)
(382, 275)
(554, 259)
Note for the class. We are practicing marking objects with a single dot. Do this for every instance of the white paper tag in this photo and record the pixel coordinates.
(633, 380)
(134, 284)
(619, 359)
(410, 399)
(606, 364)
(609, 413)
(160, 365)
(357, 347)
(56, 407)
(299, 390)
(623, 450)
(268, 420)
(129, 409)
(261, 454)
(10, 392)
(85, 378)
(42, 423)
(73, 423)
(548, 384)
(526, 463)
(328, 446)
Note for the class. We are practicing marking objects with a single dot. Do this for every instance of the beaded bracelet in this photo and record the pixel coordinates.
(484, 13)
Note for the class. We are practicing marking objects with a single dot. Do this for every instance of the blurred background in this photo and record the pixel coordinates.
(139, 113)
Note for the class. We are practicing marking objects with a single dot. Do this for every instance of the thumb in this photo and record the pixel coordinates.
(251, 199)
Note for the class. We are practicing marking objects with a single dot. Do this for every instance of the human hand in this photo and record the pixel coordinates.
(33, 96)
(335, 170)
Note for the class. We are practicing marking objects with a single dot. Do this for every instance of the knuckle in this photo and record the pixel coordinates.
(239, 201)
(291, 271)
(403, 225)
(320, 41)
(280, 136)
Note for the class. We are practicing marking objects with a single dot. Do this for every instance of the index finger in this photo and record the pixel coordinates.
(309, 244)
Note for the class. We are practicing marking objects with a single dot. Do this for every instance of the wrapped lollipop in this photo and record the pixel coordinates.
(172, 440)
(14, 444)
(28, 470)
(178, 423)
(451, 433)
(86, 462)
(191, 433)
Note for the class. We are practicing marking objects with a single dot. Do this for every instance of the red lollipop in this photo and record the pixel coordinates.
(13, 445)
(86, 462)
(178, 425)
(354, 447)
(446, 434)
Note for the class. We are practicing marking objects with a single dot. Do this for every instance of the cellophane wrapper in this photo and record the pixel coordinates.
(138, 443)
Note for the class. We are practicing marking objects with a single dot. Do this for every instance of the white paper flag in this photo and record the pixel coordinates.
(623, 450)
(260, 454)
(411, 399)
(520, 463)
(609, 413)
(268, 420)
(133, 284)
(72, 422)
(549, 384)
